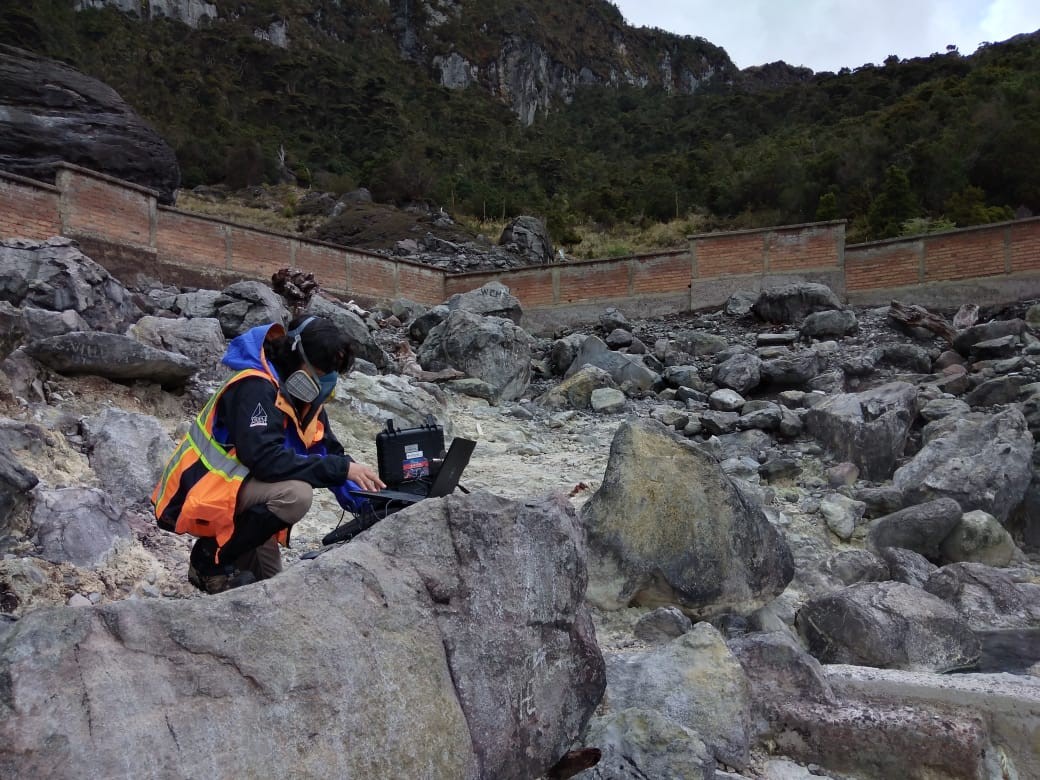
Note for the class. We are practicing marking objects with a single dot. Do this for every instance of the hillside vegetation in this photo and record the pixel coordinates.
(900, 146)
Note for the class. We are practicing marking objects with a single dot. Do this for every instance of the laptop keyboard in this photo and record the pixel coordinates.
(415, 487)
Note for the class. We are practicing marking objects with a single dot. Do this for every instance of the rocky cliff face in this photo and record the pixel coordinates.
(528, 55)
(51, 113)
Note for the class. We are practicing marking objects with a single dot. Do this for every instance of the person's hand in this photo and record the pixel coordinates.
(365, 478)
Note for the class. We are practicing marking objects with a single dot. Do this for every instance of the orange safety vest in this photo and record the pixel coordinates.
(198, 491)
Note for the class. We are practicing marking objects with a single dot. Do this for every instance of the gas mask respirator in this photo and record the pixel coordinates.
(300, 384)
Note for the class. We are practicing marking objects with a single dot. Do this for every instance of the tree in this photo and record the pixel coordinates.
(827, 207)
(895, 205)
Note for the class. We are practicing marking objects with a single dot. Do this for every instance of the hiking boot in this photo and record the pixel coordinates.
(218, 583)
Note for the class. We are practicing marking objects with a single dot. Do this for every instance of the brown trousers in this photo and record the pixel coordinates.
(289, 501)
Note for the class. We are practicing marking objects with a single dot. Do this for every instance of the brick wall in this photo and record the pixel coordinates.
(122, 224)
(105, 208)
(28, 209)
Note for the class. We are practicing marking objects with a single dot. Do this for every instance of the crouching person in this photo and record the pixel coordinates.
(245, 472)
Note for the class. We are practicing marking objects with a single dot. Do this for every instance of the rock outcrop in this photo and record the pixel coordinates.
(51, 113)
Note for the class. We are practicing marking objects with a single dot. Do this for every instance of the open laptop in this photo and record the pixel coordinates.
(445, 482)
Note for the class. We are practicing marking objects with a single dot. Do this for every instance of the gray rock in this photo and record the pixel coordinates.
(868, 428)
(628, 372)
(741, 373)
(883, 500)
(607, 400)
(784, 338)
(834, 323)
(794, 371)
(985, 597)
(421, 326)
(996, 329)
(111, 356)
(77, 526)
(768, 418)
(920, 528)
(740, 303)
(406, 309)
(907, 566)
(713, 702)
(409, 603)
(491, 300)
(841, 514)
(719, 423)
(982, 463)
(197, 304)
(612, 319)
(491, 349)
(780, 671)
(245, 305)
(792, 302)
(726, 400)
(687, 537)
(641, 743)
(52, 112)
(1003, 347)
(564, 351)
(938, 408)
(698, 342)
(15, 483)
(55, 275)
(996, 392)
(576, 391)
(979, 538)
(128, 452)
(364, 404)
(201, 340)
(531, 238)
(851, 566)
(41, 323)
(683, 376)
(908, 357)
(619, 338)
(662, 625)
(888, 625)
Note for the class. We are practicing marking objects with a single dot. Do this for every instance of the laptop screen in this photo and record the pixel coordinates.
(455, 463)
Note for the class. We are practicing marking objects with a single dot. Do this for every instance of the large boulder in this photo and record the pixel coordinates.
(111, 356)
(128, 452)
(244, 305)
(56, 276)
(77, 525)
(363, 404)
(530, 238)
(868, 428)
(200, 339)
(15, 483)
(713, 701)
(982, 462)
(888, 625)
(491, 300)
(792, 302)
(51, 113)
(920, 528)
(667, 526)
(491, 349)
(380, 654)
(627, 371)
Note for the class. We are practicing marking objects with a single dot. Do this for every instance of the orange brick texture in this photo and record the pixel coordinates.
(964, 255)
(723, 255)
(1025, 246)
(125, 223)
(27, 211)
(94, 207)
(182, 239)
(878, 268)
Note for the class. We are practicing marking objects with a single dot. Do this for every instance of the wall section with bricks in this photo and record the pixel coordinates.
(125, 230)
(28, 209)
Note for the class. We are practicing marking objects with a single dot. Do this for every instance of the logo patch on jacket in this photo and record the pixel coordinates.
(259, 418)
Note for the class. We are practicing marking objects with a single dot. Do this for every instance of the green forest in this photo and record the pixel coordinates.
(895, 148)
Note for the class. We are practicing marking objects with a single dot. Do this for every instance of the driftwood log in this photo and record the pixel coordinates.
(915, 316)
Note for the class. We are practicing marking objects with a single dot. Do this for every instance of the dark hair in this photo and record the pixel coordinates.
(327, 348)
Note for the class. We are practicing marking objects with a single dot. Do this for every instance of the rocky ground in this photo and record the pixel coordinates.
(555, 435)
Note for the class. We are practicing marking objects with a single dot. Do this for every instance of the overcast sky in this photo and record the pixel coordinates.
(830, 34)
